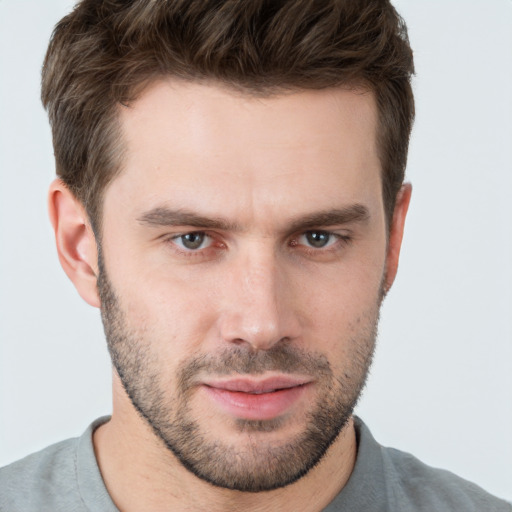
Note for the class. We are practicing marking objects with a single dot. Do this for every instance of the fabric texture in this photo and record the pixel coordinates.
(66, 477)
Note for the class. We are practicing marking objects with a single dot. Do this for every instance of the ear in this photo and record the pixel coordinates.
(396, 232)
(76, 243)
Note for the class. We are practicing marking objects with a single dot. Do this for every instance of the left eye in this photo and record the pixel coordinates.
(193, 241)
(317, 239)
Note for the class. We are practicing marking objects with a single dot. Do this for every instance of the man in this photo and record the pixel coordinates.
(230, 195)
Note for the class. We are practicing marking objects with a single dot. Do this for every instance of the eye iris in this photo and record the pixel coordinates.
(192, 240)
(317, 238)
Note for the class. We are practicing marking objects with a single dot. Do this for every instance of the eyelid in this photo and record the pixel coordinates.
(333, 238)
(339, 242)
(206, 238)
(335, 233)
(215, 245)
(216, 242)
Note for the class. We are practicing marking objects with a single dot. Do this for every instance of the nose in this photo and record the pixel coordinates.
(260, 306)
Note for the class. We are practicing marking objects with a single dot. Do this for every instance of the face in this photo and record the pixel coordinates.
(241, 273)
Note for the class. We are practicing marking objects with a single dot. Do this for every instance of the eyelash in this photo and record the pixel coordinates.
(339, 243)
(194, 253)
(335, 239)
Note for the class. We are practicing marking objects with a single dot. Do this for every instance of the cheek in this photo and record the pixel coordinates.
(344, 311)
(345, 294)
(171, 316)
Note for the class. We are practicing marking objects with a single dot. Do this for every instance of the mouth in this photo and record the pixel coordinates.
(257, 399)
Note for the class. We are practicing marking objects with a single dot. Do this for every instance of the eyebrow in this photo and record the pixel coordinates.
(338, 216)
(162, 216)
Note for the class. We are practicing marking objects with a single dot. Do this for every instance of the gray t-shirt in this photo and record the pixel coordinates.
(66, 477)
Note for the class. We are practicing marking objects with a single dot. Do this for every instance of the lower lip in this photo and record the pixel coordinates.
(264, 406)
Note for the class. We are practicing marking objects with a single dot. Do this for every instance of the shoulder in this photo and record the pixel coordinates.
(32, 482)
(62, 477)
(417, 486)
(389, 480)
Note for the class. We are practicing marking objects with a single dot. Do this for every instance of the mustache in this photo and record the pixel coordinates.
(245, 361)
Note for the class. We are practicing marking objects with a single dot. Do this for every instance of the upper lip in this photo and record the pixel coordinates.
(255, 385)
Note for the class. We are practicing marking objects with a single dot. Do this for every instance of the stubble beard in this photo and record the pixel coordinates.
(255, 465)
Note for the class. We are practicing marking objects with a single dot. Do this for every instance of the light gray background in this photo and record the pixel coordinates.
(441, 386)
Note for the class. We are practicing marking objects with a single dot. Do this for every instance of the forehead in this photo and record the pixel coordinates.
(210, 115)
(189, 144)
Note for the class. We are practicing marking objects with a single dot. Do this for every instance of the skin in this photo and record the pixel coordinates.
(266, 168)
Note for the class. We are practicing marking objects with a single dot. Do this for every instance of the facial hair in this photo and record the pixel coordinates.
(255, 465)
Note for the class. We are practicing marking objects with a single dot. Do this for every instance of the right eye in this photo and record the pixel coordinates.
(193, 241)
(318, 239)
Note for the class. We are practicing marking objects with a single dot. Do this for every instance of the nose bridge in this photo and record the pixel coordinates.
(260, 283)
(259, 311)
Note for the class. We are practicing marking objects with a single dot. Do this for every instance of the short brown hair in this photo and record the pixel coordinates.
(104, 52)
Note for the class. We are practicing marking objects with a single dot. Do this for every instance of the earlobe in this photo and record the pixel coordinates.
(76, 243)
(396, 232)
